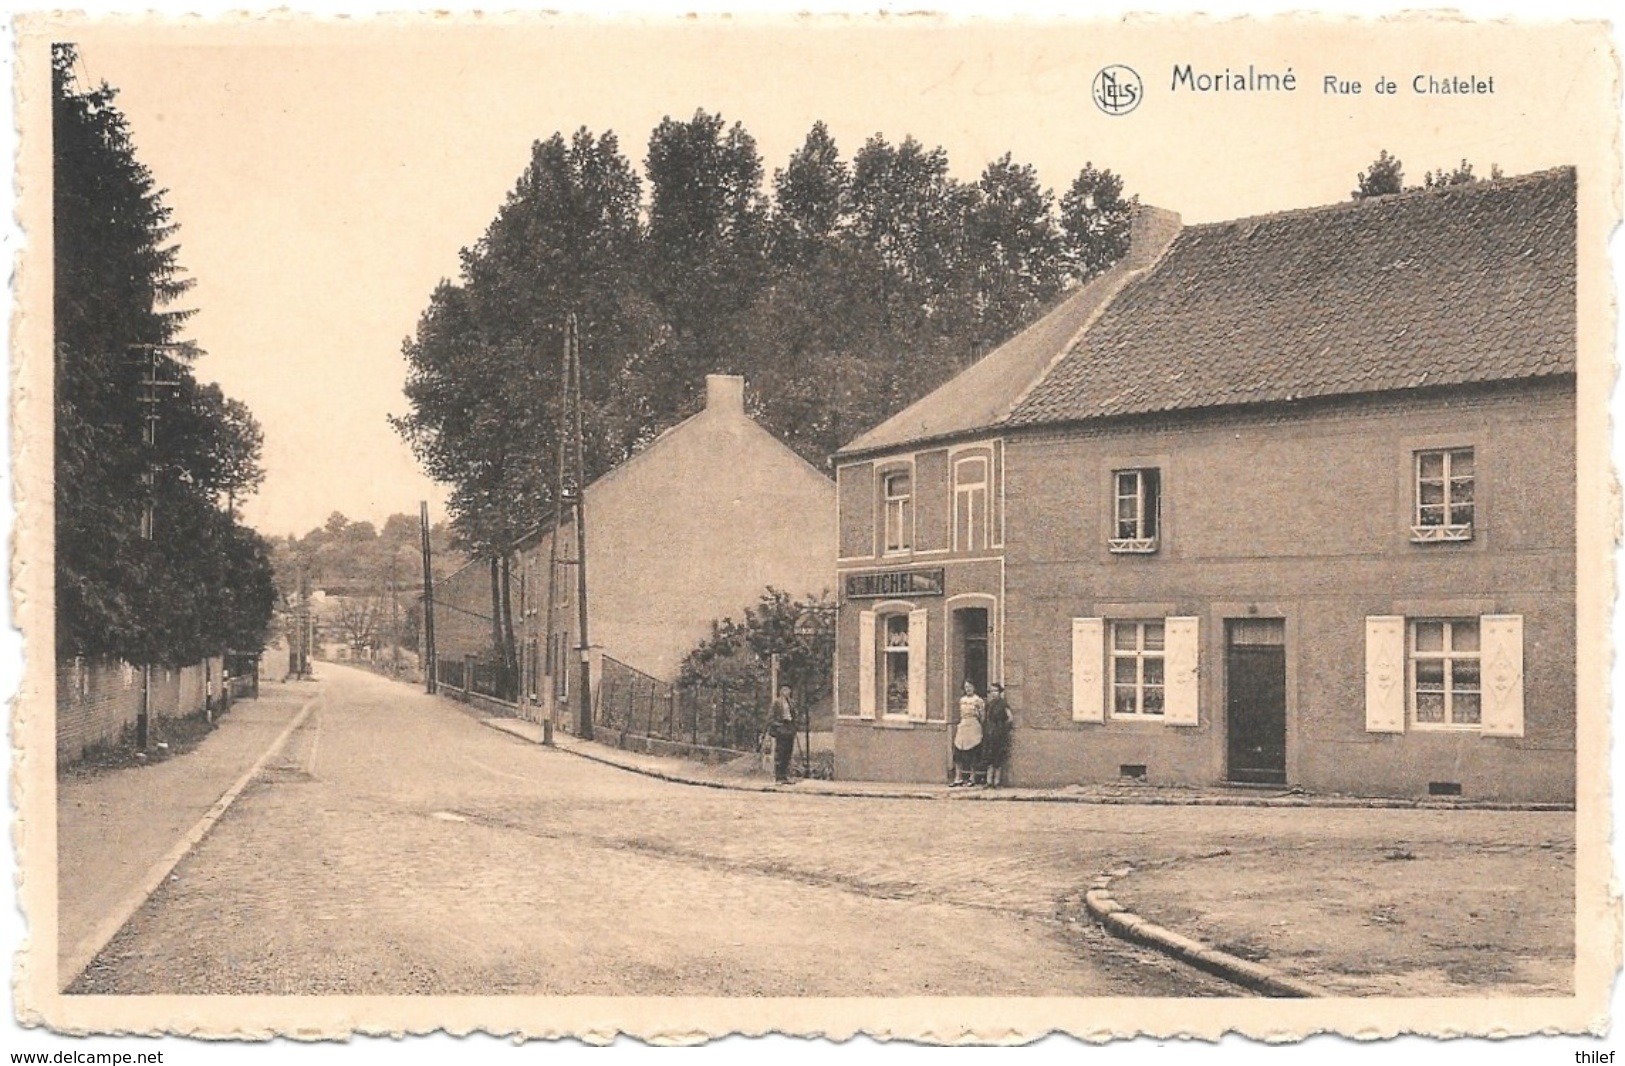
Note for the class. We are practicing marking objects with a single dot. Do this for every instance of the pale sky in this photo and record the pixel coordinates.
(325, 179)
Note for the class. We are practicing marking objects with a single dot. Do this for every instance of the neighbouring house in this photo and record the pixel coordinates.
(691, 529)
(1282, 500)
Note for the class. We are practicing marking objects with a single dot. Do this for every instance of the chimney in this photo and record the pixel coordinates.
(1151, 231)
(725, 394)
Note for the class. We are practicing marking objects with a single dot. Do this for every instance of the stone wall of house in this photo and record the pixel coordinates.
(1306, 518)
(1299, 514)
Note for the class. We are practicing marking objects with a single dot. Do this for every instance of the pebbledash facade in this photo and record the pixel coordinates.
(1284, 500)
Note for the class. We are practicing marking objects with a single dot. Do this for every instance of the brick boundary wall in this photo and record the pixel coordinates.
(97, 700)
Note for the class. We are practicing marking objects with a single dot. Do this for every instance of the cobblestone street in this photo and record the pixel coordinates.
(397, 846)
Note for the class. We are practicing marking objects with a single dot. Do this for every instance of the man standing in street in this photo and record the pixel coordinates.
(783, 728)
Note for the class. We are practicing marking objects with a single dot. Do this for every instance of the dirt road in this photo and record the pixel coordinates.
(399, 847)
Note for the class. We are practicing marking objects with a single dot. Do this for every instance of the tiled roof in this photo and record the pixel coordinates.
(1467, 284)
(987, 391)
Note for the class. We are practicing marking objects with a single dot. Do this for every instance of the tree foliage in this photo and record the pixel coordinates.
(201, 584)
(1461, 174)
(363, 570)
(1386, 176)
(846, 294)
(732, 666)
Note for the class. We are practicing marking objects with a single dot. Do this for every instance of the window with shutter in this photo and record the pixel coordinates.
(1088, 687)
(1445, 672)
(1138, 669)
(1385, 674)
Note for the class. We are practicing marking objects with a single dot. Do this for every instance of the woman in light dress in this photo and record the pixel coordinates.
(968, 736)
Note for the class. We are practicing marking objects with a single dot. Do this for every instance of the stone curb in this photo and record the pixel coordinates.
(578, 748)
(1125, 924)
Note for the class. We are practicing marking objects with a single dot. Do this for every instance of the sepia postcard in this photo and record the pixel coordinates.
(927, 527)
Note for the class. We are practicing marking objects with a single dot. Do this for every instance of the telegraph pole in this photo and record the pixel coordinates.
(394, 615)
(585, 696)
(431, 664)
(152, 388)
(555, 663)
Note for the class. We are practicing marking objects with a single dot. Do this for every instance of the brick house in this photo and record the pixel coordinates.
(1283, 500)
(692, 528)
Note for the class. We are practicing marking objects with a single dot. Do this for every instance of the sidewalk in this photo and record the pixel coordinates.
(742, 775)
(113, 826)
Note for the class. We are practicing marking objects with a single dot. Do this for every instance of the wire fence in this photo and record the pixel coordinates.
(727, 717)
(730, 718)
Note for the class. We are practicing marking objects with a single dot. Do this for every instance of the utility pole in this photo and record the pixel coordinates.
(394, 616)
(428, 656)
(555, 661)
(585, 695)
(152, 388)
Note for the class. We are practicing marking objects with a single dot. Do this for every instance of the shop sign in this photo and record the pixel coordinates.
(889, 584)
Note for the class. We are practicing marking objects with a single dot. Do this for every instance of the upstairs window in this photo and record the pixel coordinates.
(1444, 495)
(970, 504)
(1445, 685)
(1138, 504)
(899, 489)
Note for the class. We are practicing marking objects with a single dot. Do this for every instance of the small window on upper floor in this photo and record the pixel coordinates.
(1444, 495)
(970, 504)
(898, 487)
(1136, 520)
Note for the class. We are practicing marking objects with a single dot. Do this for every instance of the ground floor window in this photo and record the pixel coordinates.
(559, 654)
(896, 665)
(1137, 669)
(1445, 687)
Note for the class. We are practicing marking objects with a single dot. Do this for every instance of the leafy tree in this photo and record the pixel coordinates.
(731, 668)
(1014, 247)
(362, 569)
(809, 201)
(1384, 177)
(818, 378)
(483, 366)
(705, 254)
(200, 581)
(909, 210)
(856, 290)
(1096, 220)
(1461, 175)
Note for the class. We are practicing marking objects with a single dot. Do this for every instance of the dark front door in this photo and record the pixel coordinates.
(1255, 684)
(971, 622)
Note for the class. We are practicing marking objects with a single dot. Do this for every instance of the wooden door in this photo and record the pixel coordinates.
(1255, 701)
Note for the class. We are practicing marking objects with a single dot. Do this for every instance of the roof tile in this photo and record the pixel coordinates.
(1466, 284)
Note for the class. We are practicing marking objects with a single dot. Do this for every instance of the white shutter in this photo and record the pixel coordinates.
(866, 664)
(1088, 656)
(916, 665)
(1501, 648)
(1385, 674)
(1181, 668)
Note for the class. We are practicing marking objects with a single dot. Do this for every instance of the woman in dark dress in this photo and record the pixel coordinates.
(995, 735)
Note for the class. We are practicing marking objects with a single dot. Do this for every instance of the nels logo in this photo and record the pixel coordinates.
(1118, 90)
